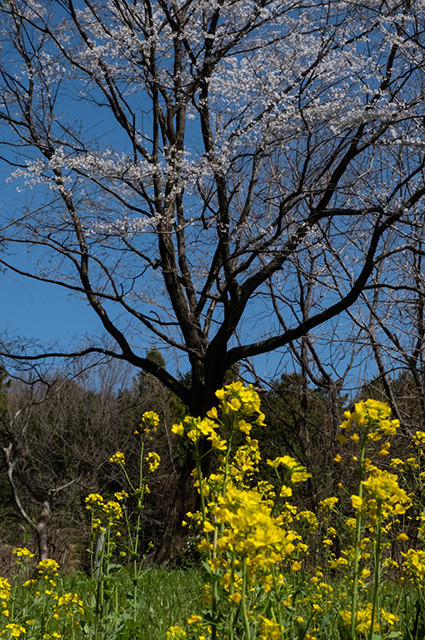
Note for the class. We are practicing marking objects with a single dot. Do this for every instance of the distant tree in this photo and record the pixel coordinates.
(299, 423)
(391, 322)
(147, 393)
(57, 439)
(58, 432)
(4, 384)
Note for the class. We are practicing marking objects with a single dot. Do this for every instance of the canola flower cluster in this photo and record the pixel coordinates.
(55, 615)
(249, 543)
(148, 425)
(105, 514)
(351, 569)
(260, 546)
(115, 534)
(110, 513)
(61, 614)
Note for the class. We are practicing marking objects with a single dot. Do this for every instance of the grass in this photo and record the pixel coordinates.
(165, 597)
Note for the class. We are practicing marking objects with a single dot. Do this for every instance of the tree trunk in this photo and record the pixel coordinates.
(186, 497)
(41, 530)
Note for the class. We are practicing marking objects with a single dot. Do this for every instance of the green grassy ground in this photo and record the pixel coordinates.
(165, 598)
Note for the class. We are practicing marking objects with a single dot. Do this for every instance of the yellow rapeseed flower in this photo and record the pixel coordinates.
(149, 423)
(178, 429)
(338, 563)
(118, 458)
(371, 415)
(235, 597)
(93, 499)
(22, 551)
(328, 504)
(293, 469)
(239, 398)
(383, 487)
(195, 428)
(389, 618)
(48, 566)
(4, 589)
(69, 604)
(414, 562)
(29, 583)
(176, 633)
(16, 630)
(270, 629)
(300, 476)
(250, 527)
(356, 501)
(153, 461)
(284, 461)
(120, 495)
(385, 449)
(363, 619)
(113, 512)
(308, 517)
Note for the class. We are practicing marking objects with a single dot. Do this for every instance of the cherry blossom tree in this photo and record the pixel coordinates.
(187, 159)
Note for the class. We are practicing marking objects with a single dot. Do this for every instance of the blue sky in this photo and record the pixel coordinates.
(34, 309)
(43, 311)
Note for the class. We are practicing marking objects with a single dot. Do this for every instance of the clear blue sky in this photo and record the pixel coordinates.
(43, 311)
(34, 309)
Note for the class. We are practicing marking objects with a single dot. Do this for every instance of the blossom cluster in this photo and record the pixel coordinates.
(248, 543)
(56, 614)
(104, 513)
(258, 542)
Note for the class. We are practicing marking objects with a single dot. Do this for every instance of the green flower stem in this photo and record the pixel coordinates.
(127, 477)
(201, 482)
(140, 500)
(13, 598)
(129, 534)
(276, 500)
(221, 528)
(377, 562)
(100, 587)
(278, 600)
(135, 544)
(232, 590)
(357, 541)
(108, 549)
(200, 478)
(92, 539)
(226, 467)
(243, 601)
